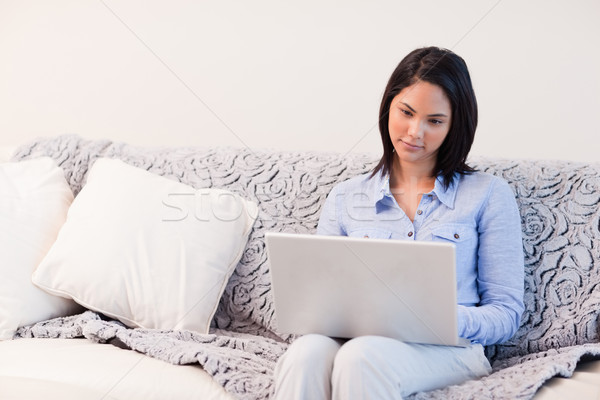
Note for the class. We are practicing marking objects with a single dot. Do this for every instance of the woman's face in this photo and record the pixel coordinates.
(419, 121)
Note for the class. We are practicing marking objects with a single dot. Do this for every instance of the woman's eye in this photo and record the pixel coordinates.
(406, 112)
(436, 121)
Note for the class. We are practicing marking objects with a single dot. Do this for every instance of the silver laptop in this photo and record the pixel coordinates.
(347, 287)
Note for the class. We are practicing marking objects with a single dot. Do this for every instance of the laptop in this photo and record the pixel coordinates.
(345, 287)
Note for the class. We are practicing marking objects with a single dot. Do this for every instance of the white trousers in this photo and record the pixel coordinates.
(372, 367)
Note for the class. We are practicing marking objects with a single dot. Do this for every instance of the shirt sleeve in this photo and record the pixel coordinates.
(500, 276)
(330, 219)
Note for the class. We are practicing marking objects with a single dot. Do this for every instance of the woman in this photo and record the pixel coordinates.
(422, 189)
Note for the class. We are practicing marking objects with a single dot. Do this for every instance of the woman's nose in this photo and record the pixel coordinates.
(416, 129)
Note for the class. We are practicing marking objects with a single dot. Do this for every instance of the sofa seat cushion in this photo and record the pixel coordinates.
(584, 384)
(80, 368)
(17, 388)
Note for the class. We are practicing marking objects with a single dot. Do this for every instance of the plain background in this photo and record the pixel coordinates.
(293, 75)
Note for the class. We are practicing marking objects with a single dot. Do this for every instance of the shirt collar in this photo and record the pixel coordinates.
(446, 196)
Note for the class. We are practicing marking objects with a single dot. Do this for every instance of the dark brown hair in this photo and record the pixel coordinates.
(449, 71)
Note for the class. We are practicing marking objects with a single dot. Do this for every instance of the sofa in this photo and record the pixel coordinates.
(86, 350)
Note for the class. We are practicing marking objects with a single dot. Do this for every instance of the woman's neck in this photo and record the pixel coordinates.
(408, 183)
(416, 176)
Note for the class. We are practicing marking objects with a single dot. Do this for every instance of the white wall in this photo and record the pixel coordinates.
(305, 75)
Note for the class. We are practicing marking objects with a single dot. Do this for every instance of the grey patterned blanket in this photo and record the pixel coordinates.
(561, 226)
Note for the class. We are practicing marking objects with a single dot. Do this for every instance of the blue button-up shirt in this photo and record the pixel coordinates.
(477, 212)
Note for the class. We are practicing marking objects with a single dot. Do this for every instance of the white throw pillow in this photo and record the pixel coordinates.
(34, 199)
(146, 250)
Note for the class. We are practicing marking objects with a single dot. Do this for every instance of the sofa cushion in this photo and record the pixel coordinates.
(33, 206)
(70, 369)
(146, 250)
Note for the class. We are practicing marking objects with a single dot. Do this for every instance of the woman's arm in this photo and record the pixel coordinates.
(500, 276)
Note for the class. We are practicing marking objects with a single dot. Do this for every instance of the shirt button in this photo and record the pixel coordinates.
(419, 212)
(410, 234)
(456, 236)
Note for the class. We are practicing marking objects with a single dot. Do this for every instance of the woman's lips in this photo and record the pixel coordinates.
(411, 146)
